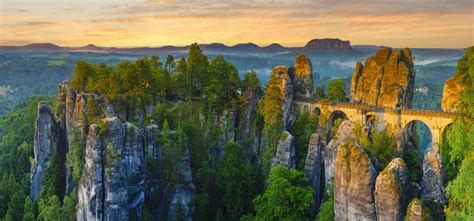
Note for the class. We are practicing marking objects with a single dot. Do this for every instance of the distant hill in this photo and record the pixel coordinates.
(329, 46)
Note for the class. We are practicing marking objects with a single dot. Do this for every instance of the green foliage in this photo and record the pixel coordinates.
(426, 216)
(288, 196)
(270, 106)
(52, 210)
(337, 90)
(461, 191)
(326, 211)
(304, 126)
(460, 139)
(382, 145)
(318, 93)
(238, 182)
(250, 81)
(54, 180)
(220, 91)
(196, 71)
(414, 161)
(29, 210)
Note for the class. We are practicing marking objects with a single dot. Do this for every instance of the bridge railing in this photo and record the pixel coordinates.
(367, 107)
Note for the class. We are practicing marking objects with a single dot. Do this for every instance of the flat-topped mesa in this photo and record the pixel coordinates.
(386, 79)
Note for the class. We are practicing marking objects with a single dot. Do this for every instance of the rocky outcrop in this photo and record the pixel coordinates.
(433, 181)
(391, 191)
(386, 79)
(112, 183)
(285, 82)
(314, 169)
(354, 183)
(227, 123)
(416, 211)
(345, 133)
(452, 91)
(303, 80)
(46, 142)
(248, 131)
(285, 154)
(181, 207)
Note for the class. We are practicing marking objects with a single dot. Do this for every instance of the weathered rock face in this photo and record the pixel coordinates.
(433, 180)
(452, 91)
(248, 131)
(354, 183)
(344, 134)
(285, 80)
(181, 204)
(314, 169)
(386, 79)
(329, 46)
(416, 211)
(303, 80)
(227, 123)
(285, 154)
(391, 191)
(112, 183)
(45, 143)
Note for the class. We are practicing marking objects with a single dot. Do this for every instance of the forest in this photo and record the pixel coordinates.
(191, 100)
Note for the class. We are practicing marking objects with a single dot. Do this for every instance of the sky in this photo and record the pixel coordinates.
(134, 23)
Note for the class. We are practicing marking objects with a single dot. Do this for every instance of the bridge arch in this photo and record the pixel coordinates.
(419, 133)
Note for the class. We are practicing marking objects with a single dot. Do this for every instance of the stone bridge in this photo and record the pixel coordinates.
(397, 119)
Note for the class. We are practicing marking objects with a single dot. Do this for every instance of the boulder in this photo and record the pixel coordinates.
(386, 79)
(345, 133)
(452, 91)
(354, 183)
(314, 169)
(285, 153)
(392, 191)
(303, 77)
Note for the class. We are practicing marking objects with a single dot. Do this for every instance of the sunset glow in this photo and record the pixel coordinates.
(125, 23)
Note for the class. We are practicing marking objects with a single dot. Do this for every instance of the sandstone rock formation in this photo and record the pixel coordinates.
(112, 183)
(391, 191)
(354, 183)
(344, 134)
(314, 169)
(181, 201)
(46, 143)
(285, 81)
(433, 181)
(386, 79)
(416, 211)
(248, 131)
(452, 91)
(303, 79)
(285, 153)
(227, 123)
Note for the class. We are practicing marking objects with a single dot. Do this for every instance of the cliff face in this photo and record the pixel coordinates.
(112, 184)
(285, 154)
(386, 79)
(452, 91)
(314, 169)
(46, 142)
(285, 82)
(354, 183)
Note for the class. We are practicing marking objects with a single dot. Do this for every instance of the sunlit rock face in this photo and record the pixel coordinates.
(303, 77)
(354, 183)
(391, 191)
(386, 79)
(452, 91)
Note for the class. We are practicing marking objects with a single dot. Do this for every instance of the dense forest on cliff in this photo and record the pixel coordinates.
(187, 139)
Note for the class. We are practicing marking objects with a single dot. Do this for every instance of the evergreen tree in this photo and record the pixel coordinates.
(336, 90)
(196, 71)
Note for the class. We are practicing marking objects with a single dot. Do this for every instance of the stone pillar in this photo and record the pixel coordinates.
(435, 139)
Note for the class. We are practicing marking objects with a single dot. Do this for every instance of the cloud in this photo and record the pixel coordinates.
(343, 64)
